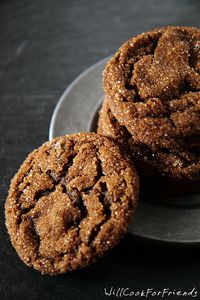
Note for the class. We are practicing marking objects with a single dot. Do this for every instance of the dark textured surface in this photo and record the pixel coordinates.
(44, 46)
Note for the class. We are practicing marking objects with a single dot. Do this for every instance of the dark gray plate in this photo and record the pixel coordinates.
(176, 221)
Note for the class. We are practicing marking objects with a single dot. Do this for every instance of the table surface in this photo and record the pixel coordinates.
(44, 46)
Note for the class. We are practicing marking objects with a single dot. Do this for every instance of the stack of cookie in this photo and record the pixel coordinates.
(152, 107)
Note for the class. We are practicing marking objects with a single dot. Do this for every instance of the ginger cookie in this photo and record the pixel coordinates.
(70, 202)
(152, 86)
(150, 167)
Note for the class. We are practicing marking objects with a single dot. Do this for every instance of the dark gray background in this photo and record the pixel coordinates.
(44, 45)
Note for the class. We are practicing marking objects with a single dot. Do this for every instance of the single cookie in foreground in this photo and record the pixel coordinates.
(70, 202)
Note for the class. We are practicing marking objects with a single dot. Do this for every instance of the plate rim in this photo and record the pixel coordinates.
(68, 89)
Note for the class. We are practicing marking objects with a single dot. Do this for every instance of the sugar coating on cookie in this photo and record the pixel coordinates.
(70, 202)
(152, 87)
(151, 166)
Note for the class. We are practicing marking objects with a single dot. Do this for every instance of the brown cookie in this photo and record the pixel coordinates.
(109, 126)
(150, 167)
(70, 202)
(153, 88)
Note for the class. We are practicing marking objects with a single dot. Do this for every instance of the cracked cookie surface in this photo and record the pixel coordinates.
(153, 89)
(70, 202)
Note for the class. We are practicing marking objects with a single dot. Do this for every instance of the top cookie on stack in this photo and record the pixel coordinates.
(152, 87)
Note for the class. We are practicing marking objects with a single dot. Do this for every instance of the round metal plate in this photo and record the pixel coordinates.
(173, 219)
